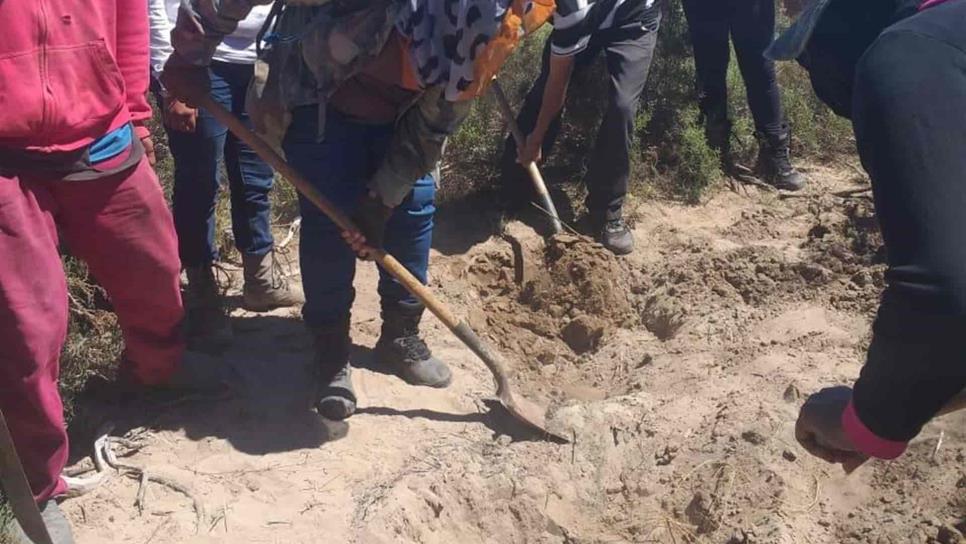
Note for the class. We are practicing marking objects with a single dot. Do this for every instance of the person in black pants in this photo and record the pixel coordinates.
(626, 31)
(904, 88)
(751, 26)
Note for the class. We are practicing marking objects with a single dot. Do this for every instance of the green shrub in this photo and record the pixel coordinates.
(670, 155)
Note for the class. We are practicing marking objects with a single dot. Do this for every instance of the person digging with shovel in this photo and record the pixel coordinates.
(897, 69)
(626, 32)
(361, 97)
(76, 166)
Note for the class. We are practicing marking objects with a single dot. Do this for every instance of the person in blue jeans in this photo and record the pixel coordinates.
(199, 144)
(361, 99)
(340, 167)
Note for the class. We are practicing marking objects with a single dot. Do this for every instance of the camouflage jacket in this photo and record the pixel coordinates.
(315, 45)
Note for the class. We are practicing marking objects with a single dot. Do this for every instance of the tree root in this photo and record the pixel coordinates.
(104, 458)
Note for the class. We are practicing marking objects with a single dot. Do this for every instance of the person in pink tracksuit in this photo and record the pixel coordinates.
(75, 167)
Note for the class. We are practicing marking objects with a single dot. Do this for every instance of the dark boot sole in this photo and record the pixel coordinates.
(440, 385)
(335, 409)
(262, 308)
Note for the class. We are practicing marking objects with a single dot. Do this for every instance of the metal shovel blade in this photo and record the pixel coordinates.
(524, 410)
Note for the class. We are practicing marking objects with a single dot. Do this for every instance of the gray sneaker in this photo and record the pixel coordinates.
(400, 347)
(616, 236)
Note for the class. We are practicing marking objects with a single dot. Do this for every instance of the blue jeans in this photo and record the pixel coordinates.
(197, 160)
(340, 167)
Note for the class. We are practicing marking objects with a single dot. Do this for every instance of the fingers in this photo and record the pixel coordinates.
(148, 145)
(357, 242)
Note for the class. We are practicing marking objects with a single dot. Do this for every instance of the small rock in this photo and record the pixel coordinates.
(700, 514)
(862, 278)
(646, 360)
(948, 534)
(556, 311)
(789, 455)
(583, 334)
(665, 457)
(792, 394)
(753, 437)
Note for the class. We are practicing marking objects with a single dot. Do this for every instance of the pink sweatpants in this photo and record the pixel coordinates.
(121, 227)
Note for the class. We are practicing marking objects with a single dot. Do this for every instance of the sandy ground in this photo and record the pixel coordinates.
(677, 371)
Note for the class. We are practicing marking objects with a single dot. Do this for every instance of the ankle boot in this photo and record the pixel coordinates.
(207, 325)
(401, 348)
(336, 399)
(717, 132)
(265, 287)
(774, 161)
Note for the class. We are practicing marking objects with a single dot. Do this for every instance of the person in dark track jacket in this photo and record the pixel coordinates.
(898, 70)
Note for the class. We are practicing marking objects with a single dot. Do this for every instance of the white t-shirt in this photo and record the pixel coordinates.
(237, 48)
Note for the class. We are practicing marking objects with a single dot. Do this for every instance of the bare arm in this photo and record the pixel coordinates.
(554, 95)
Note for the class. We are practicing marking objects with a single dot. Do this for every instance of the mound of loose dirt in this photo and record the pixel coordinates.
(553, 304)
(569, 291)
(584, 279)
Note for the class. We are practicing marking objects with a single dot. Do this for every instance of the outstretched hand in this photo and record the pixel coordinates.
(819, 428)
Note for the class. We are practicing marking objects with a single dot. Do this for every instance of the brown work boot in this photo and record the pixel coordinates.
(266, 287)
(207, 326)
(336, 399)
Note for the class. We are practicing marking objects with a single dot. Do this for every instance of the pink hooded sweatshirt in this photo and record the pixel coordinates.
(71, 71)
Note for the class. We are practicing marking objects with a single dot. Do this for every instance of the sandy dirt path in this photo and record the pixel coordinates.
(682, 406)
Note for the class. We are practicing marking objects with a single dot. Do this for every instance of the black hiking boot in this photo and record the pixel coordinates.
(196, 372)
(401, 348)
(717, 132)
(774, 165)
(207, 325)
(616, 236)
(336, 400)
(57, 526)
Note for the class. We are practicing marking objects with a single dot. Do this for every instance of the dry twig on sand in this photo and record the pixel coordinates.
(104, 457)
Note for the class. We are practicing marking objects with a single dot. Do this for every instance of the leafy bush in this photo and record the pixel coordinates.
(670, 154)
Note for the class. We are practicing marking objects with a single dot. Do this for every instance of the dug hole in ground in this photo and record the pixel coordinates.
(677, 372)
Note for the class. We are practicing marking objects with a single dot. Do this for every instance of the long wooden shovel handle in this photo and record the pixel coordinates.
(17, 489)
(385, 260)
(531, 167)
